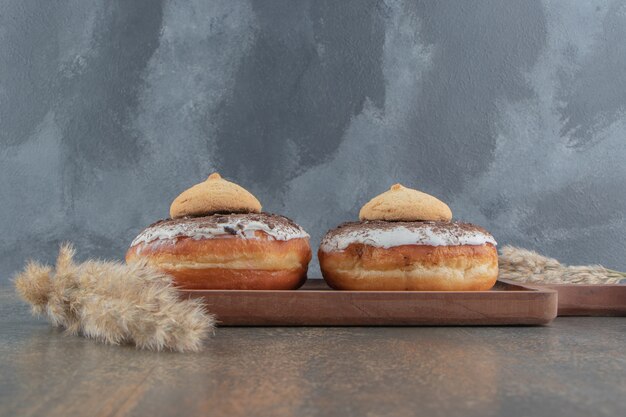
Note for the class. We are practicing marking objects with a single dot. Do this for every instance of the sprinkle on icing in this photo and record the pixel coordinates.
(390, 234)
(219, 225)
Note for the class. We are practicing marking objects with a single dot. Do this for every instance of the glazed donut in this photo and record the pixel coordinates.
(252, 251)
(413, 256)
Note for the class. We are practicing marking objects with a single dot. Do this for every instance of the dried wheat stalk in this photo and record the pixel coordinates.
(523, 265)
(114, 303)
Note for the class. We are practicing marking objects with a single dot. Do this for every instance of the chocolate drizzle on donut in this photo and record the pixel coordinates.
(238, 225)
(388, 234)
(230, 230)
(456, 228)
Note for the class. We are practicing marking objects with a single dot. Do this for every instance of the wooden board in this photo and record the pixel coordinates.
(589, 300)
(315, 304)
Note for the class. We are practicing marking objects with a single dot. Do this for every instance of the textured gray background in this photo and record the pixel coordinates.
(511, 111)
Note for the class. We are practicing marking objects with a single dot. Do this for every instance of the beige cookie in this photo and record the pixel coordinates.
(405, 204)
(215, 195)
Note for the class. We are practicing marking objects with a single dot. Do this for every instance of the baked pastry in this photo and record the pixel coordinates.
(218, 238)
(215, 195)
(407, 241)
(405, 204)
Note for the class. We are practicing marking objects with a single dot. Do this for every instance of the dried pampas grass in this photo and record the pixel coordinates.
(517, 264)
(114, 303)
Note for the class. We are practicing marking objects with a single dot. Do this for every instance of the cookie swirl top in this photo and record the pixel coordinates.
(215, 195)
(405, 204)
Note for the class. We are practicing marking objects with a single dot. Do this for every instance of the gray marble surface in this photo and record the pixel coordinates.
(511, 111)
(574, 367)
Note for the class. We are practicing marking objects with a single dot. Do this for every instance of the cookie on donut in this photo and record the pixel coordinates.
(218, 238)
(406, 241)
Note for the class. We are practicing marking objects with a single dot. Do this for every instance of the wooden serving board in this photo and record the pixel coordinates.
(589, 300)
(315, 304)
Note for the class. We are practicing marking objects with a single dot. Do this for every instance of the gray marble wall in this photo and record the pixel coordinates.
(510, 111)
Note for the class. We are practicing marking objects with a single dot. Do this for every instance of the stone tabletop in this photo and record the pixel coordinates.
(573, 367)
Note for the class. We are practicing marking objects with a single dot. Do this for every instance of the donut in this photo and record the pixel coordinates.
(249, 251)
(375, 255)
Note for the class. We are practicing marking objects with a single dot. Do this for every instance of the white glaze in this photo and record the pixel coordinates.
(242, 227)
(401, 235)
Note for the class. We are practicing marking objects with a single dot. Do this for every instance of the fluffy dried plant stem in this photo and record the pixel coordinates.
(523, 265)
(114, 303)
